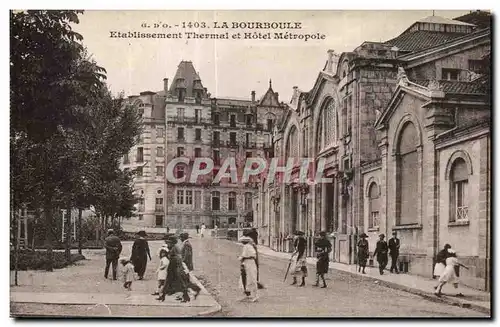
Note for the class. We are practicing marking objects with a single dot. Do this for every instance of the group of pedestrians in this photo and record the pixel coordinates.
(174, 270)
(382, 251)
(201, 230)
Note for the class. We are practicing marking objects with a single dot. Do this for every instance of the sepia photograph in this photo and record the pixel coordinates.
(250, 163)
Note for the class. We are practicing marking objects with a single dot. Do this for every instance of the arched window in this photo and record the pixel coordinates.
(292, 148)
(231, 201)
(215, 200)
(325, 135)
(374, 206)
(407, 176)
(459, 185)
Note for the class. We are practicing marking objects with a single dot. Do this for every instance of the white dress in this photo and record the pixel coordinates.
(439, 269)
(250, 268)
(162, 269)
(449, 275)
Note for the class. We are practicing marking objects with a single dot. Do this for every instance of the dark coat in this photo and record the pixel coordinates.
(254, 235)
(177, 279)
(300, 246)
(363, 251)
(113, 247)
(394, 244)
(323, 248)
(442, 256)
(187, 255)
(381, 251)
(140, 254)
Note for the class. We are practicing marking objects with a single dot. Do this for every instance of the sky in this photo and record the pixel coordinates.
(235, 67)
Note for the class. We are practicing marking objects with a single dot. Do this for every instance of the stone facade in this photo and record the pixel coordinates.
(355, 116)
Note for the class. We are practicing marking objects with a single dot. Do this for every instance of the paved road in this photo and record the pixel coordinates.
(346, 295)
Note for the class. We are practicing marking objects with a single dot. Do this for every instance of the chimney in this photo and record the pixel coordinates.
(277, 94)
(253, 96)
(165, 85)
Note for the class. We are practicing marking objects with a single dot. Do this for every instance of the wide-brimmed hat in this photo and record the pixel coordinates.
(363, 235)
(111, 231)
(245, 239)
(142, 233)
(381, 235)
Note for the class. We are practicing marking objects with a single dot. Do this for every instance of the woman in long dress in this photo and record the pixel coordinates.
(248, 269)
(140, 254)
(323, 249)
(363, 253)
(175, 281)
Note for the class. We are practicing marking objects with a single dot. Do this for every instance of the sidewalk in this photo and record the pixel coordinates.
(472, 299)
(83, 286)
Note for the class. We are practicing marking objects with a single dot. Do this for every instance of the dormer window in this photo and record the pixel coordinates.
(181, 95)
(448, 74)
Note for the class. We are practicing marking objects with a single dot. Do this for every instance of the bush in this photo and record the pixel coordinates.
(91, 244)
(37, 260)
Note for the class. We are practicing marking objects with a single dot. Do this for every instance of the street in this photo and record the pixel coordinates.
(346, 295)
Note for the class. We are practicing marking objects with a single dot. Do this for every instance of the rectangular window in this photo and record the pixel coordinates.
(216, 139)
(216, 119)
(232, 138)
(248, 154)
(180, 197)
(197, 199)
(159, 221)
(159, 133)
(180, 114)
(197, 134)
(197, 115)
(179, 171)
(232, 122)
(189, 197)
(180, 133)
(349, 114)
(159, 151)
(476, 66)
(216, 157)
(248, 139)
(159, 205)
(159, 170)
(450, 74)
(197, 152)
(180, 151)
(249, 120)
(232, 204)
(215, 203)
(140, 155)
(126, 160)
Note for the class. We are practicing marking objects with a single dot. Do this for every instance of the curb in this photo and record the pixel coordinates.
(429, 296)
(214, 309)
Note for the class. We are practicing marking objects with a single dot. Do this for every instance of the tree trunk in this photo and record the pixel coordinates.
(47, 211)
(67, 230)
(79, 230)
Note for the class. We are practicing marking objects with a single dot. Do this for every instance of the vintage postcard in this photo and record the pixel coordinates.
(250, 163)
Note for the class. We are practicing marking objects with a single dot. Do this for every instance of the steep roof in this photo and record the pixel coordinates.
(186, 77)
(482, 19)
(457, 87)
(442, 20)
(419, 40)
(270, 98)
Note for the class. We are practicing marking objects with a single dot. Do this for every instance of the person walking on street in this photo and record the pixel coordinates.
(175, 281)
(449, 274)
(441, 261)
(363, 252)
(202, 230)
(394, 244)
(248, 269)
(197, 229)
(162, 271)
(187, 251)
(300, 269)
(323, 249)
(127, 273)
(254, 235)
(140, 254)
(381, 253)
(113, 249)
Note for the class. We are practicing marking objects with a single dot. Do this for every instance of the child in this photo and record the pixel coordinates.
(127, 273)
(162, 271)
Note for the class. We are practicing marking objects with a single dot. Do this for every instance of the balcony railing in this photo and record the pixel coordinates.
(159, 208)
(232, 143)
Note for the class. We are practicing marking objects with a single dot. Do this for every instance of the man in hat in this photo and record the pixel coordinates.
(363, 252)
(381, 253)
(140, 254)
(394, 244)
(113, 249)
(187, 251)
(323, 249)
(300, 269)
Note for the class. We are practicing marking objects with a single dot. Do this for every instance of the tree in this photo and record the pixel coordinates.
(51, 80)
